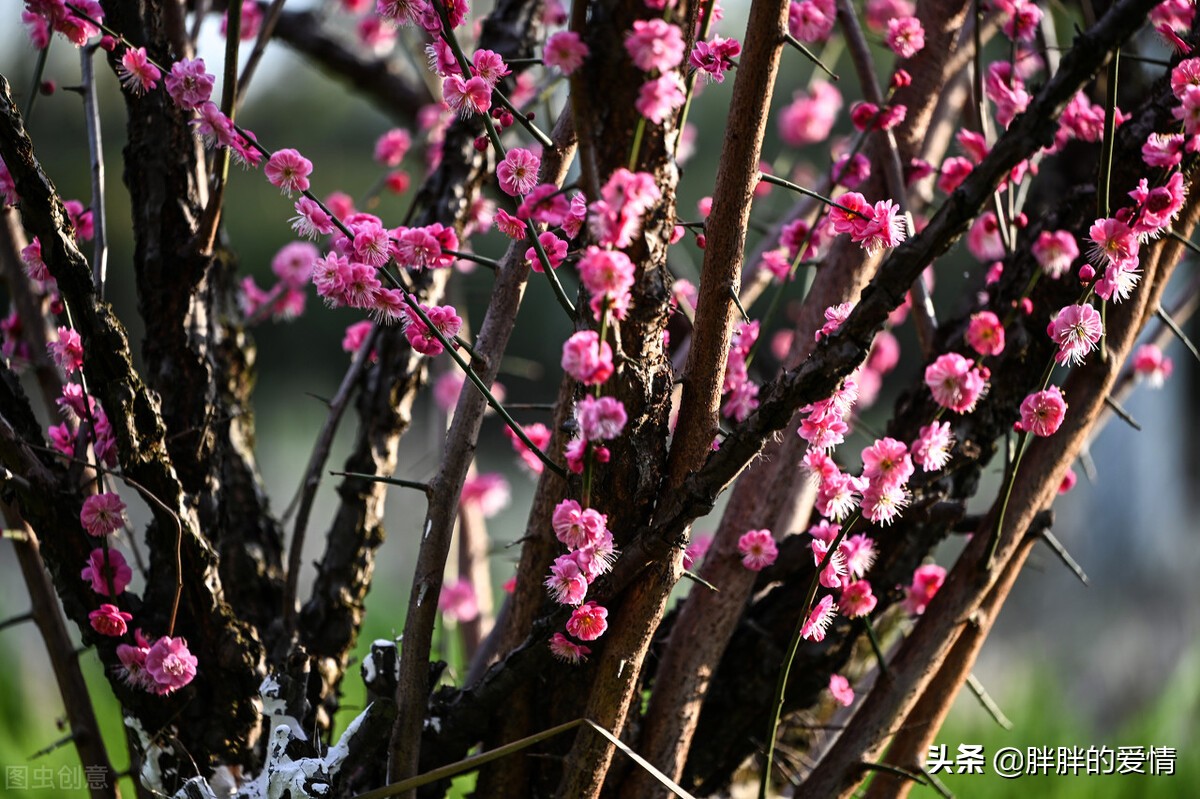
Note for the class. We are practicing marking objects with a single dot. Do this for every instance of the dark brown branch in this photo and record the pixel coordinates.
(378, 78)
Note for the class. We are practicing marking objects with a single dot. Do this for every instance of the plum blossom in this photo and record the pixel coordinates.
(104, 566)
(567, 650)
(288, 171)
(1042, 412)
(110, 620)
(421, 337)
(136, 72)
(818, 621)
(564, 51)
(587, 359)
(102, 514)
(985, 334)
(931, 450)
(1075, 329)
(170, 664)
(1055, 251)
(758, 549)
(905, 36)
(955, 381)
(458, 602)
(189, 85)
(926, 581)
(840, 688)
(1151, 365)
(655, 45)
(588, 621)
(518, 171)
(600, 418)
(857, 599)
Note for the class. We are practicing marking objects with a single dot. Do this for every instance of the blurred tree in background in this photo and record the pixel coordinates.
(714, 315)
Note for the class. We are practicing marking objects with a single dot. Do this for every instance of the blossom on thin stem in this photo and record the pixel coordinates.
(1042, 412)
(102, 514)
(818, 621)
(518, 171)
(288, 171)
(136, 72)
(1075, 329)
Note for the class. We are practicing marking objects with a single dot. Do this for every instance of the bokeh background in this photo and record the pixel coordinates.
(1115, 663)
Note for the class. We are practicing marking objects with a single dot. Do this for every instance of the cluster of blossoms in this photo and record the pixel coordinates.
(740, 391)
(161, 667)
(590, 553)
(657, 47)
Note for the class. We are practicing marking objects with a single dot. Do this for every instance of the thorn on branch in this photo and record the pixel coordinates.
(1178, 331)
(60, 743)
(24, 617)
(691, 575)
(896, 771)
(1119, 410)
(1063, 555)
(799, 45)
(988, 703)
(395, 481)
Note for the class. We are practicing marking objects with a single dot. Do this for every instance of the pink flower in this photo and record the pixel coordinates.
(1157, 207)
(189, 84)
(565, 51)
(1151, 365)
(1055, 251)
(537, 433)
(293, 264)
(696, 550)
(931, 450)
(758, 549)
(905, 36)
(457, 601)
(839, 686)
(133, 663)
(518, 172)
(878, 12)
(984, 240)
(953, 172)
(660, 97)
(654, 45)
(509, 225)
(955, 382)
(170, 664)
(882, 502)
(817, 623)
(310, 220)
(1068, 481)
(835, 568)
(567, 583)
(713, 58)
(887, 461)
(1042, 412)
(566, 650)
(608, 276)
(1113, 242)
(600, 419)
(422, 339)
(811, 20)
(490, 66)
(577, 527)
(872, 226)
(288, 171)
(588, 622)
(136, 72)
(926, 581)
(985, 334)
(102, 514)
(1163, 150)
(587, 359)
(392, 146)
(105, 566)
(810, 118)
(252, 19)
(857, 599)
(1076, 329)
(67, 350)
(555, 249)
(466, 96)
(835, 315)
(110, 620)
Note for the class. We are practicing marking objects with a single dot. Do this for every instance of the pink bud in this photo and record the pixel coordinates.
(481, 144)
(1086, 273)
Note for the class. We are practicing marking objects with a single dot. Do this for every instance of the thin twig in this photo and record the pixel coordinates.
(988, 703)
(1058, 549)
(1120, 411)
(260, 46)
(394, 481)
(312, 477)
(96, 156)
(1178, 331)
